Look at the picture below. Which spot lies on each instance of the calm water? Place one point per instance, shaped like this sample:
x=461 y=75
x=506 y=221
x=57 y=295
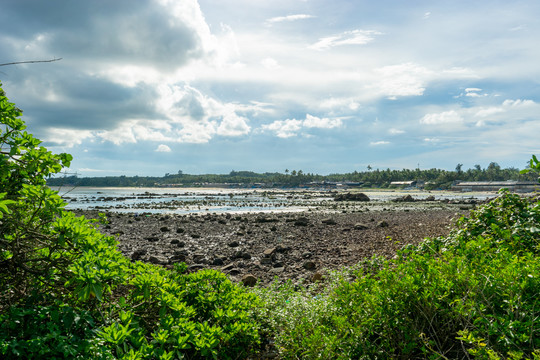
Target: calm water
x=200 y=200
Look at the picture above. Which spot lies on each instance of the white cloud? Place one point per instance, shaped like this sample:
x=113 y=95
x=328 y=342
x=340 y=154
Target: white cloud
x=67 y=137
x=379 y=143
x=270 y=63
x=291 y=127
x=353 y=37
x=406 y=79
x=284 y=128
x=518 y=103
x=321 y=123
x=163 y=148
x=295 y=17
x=444 y=118
x=233 y=125
x=484 y=112
x=395 y=131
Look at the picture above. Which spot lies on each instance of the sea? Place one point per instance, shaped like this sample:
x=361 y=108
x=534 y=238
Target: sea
x=213 y=200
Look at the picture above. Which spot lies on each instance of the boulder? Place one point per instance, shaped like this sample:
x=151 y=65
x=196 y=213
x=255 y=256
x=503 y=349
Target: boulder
x=382 y=224
x=405 y=198
x=329 y=221
x=249 y=280
x=137 y=254
x=348 y=196
x=159 y=260
x=360 y=226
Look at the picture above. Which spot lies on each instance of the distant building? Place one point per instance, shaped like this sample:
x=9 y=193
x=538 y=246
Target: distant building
x=408 y=184
x=511 y=185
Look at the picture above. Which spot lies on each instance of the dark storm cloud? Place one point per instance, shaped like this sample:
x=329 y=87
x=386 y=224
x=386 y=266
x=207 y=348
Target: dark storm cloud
x=126 y=32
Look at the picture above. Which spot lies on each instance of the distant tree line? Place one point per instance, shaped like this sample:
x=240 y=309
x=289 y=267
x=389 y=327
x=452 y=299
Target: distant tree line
x=434 y=178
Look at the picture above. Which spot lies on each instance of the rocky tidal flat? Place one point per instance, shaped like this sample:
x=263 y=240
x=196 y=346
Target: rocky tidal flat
x=297 y=246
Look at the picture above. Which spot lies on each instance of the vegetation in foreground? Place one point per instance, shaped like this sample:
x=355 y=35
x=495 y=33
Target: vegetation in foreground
x=66 y=292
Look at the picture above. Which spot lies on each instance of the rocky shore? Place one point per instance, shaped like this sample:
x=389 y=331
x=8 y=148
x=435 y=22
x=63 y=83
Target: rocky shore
x=264 y=246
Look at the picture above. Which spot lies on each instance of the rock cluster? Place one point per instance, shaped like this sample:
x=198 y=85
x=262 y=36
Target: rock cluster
x=257 y=248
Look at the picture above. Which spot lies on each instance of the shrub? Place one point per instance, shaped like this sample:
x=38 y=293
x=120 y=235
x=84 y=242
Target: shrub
x=474 y=292
x=67 y=292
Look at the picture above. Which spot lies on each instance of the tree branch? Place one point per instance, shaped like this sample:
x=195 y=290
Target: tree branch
x=30 y=62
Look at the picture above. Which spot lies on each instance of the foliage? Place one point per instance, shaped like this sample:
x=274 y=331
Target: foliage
x=67 y=292
x=471 y=294
x=436 y=178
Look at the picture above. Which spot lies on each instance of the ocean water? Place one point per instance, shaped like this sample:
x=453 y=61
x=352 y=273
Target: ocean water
x=204 y=200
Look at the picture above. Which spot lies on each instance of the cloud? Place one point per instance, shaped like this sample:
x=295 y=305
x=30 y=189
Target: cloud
x=518 y=103
x=353 y=37
x=395 y=131
x=321 y=123
x=284 y=128
x=163 y=148
x=233 y=125
x=444 y=118
x=379 y=143
x=406 y=79
x=67 y=137
x=292 y=127
x=296 y=17
x=270 y=63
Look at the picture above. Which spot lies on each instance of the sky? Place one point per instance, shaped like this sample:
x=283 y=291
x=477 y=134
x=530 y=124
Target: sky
x=150 y=87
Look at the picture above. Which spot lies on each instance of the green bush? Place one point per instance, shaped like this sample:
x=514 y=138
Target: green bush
x=473 y=293
x=67 y=292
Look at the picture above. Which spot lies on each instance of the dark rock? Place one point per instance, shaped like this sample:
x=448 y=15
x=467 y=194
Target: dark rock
x=164 y=229
x=360 y=226
x=179 y=230
x=249 y=280
x=279 y=264
x=159 y=260
x=317 y=277
x=177 y=258
x=195 y=267
x=301 y=221
x=405 y=198
x=277 y=270
x=234 y=243
x=266 y=261
x=198 y=258
x=329 y=221
x=306 y=254
x=282 y=249
x=195 y=236
x=218 y=261
x=382 y=224
x=309 y=265
x=137 y=254
x=227 y=268
x=152 y=238
x=269 y=252
x=348 y=196
x=265 y=219
x=234 y=271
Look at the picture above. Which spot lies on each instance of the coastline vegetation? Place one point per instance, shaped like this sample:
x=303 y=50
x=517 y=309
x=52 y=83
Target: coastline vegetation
x=67 y=292
x=373 y=178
